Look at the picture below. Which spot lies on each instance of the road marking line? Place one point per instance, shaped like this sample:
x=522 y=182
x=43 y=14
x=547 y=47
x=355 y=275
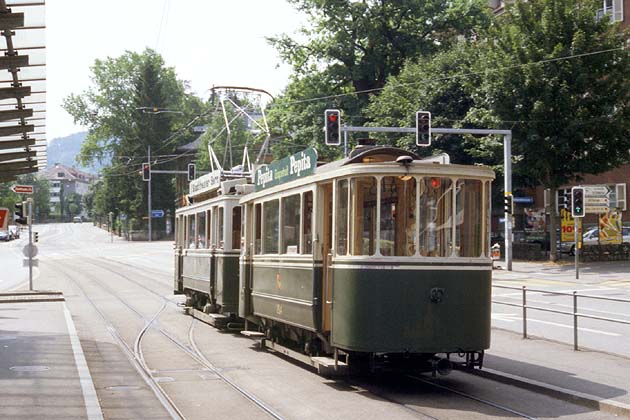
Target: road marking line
x=92 y=405
x=505 y=317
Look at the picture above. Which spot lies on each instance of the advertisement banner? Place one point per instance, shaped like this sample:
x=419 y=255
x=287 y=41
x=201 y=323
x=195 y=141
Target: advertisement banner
x=567 y=226
x=534 y=220
x=4 y=218
x=610 y=228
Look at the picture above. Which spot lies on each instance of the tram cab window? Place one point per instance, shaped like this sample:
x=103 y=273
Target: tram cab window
x=307 y=223
x=192 y=231
x=270 y=227
x=236 y=227
x=258 y=229
x=364 y=199
x=436 y=211
x=291 y=224
x=220 y=230
x=468 y=226
x=201 y=230
x=342 y=217
x=209 y=229
x=398 y=216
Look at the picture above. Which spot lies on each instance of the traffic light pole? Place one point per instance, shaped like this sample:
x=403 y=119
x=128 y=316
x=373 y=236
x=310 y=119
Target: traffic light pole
x=149 y=193
x=507 y=163
x=577 y=247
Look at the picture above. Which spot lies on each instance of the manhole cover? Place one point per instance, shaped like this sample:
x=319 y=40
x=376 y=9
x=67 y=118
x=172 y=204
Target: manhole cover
x=164 y=379
x=29 y=368
x=121 y=387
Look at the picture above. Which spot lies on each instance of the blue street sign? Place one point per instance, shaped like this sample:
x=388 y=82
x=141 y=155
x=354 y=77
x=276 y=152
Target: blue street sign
x=157 y=213
x=524 y=200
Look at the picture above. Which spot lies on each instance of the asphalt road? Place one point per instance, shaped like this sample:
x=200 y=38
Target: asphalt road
x=137 y=340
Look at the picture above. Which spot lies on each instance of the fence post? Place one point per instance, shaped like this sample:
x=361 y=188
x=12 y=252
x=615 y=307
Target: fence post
x=524 y=311
x=575 y=321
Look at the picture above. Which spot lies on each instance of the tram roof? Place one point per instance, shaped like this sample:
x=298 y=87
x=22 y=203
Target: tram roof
x=366 y=163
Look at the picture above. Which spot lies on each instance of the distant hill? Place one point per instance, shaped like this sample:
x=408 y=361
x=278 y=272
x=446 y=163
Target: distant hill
x=64 y=150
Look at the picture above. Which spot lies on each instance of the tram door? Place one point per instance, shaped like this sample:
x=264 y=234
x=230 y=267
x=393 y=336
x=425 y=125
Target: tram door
x=326 y=196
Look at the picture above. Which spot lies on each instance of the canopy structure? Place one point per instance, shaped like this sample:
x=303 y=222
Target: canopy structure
x=22 y=88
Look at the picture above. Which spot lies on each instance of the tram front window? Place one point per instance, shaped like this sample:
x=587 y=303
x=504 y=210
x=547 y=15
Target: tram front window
x=307 y=224
x=236 y=227
x=258 y=229
x=270 y=227
x=436 y=210
x=191 y=231
x=469 y=229
x=342 y=217
x=220 y=242
x=364 y=196
x=398 y=209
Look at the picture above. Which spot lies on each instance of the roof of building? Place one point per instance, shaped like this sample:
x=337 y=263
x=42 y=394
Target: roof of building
x=69 y=174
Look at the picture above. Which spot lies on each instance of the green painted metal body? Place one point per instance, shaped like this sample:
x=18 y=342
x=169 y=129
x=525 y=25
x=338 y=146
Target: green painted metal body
x=178 y=281
x=288 y=291
x=391 y=310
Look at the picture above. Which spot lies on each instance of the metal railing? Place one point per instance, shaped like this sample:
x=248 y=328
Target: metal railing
x=575 y=314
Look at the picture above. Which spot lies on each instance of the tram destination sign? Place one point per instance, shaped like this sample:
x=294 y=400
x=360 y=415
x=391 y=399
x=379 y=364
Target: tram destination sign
x=205 y=183
x=286 y=169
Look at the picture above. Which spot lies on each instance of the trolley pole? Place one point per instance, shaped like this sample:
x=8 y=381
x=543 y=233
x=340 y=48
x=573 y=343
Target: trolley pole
x=149 y=193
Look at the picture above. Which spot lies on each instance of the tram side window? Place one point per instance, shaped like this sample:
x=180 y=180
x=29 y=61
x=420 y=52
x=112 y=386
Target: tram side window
x=271 y=230
x=342 y=217
x=307 y=222
x=364 y=199
x=398 y=216
x=236 y=227
x=191 y=231
x=436 y=198
x=291 y=224
x=209 y=229
x=258 y=232
x=468 y=222
x=220 y=229
x=201 y=230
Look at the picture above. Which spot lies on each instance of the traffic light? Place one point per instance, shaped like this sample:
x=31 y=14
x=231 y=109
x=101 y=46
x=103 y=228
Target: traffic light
x=191 y=171
x=508 y=204
x=332 y=128
x=146 y=172
x=577 y=202
x=423 y=128
x=19 y=216
x=35 y=236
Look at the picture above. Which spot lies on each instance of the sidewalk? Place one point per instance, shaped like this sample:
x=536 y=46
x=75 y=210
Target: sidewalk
x=597 y=380
x=43 y=373
x=564 y=270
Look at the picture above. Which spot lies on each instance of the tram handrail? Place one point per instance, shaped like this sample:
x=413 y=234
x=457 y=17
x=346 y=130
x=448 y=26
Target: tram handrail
x=575 y=314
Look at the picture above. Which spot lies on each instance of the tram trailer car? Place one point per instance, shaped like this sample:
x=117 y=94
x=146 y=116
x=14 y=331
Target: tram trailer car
x=207 y=248
x=380 y=259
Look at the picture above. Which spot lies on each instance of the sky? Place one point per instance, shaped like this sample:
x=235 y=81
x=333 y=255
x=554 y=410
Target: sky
x=209 y=42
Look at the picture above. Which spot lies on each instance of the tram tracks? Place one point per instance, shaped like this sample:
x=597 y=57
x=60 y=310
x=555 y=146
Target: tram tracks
x=136 y=355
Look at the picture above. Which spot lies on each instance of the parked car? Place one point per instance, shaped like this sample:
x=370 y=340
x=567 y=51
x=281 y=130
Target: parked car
x=14 y=232
x=591 y=237
x=77 y=219
x=4 y=236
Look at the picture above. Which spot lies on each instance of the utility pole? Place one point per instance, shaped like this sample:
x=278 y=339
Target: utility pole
x=30 y=243
x=149 y=192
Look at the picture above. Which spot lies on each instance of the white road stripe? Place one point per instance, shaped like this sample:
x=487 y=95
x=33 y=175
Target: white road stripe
x=92 y=405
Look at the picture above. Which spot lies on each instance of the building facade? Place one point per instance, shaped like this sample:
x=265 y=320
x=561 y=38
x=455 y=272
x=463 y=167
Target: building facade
x=65 y=181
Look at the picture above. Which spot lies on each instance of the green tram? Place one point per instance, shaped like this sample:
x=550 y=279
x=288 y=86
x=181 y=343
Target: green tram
x=207 y=249
x=379 y=259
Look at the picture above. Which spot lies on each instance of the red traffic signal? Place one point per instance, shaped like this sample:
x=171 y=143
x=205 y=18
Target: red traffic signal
x=332 y=129
x=146 y=172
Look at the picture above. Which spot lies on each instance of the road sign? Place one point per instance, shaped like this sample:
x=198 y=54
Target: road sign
x=29 y=251
x=123 y=216
x=22 y=189
x=30 y=262
x=157 y=213
x=596 y=209
x=596 y=201
x=596 y=191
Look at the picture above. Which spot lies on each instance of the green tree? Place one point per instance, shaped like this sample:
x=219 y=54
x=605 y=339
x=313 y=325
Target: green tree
x=352 y=48
x=569 y=116
x=135 y=103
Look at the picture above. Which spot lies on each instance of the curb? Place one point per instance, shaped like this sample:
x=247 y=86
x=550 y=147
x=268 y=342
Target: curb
x=591 y=401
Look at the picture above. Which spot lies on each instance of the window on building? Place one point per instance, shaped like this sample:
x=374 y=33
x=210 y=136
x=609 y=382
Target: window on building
x=270 y=228
x=291 y=224
x=398 y=215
